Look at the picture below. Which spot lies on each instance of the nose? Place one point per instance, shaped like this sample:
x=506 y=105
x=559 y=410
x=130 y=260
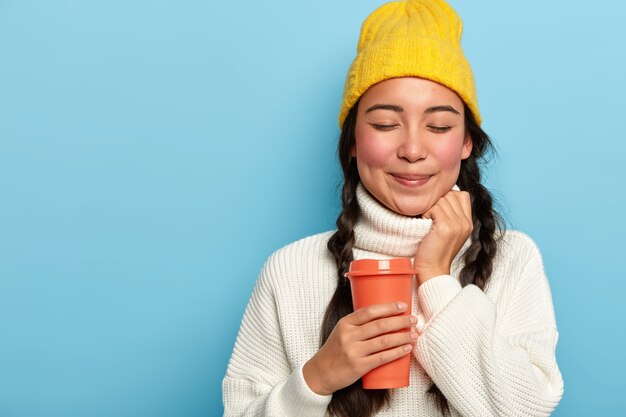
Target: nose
x=412 y=147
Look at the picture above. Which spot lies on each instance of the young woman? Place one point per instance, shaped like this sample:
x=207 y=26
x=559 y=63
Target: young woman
x=484 y=333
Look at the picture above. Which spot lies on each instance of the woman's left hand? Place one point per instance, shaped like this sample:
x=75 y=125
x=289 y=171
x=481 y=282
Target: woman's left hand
x=452 y=225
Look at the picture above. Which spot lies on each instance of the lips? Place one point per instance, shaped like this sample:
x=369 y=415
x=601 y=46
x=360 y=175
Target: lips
x=411 y=180
x=412 y=177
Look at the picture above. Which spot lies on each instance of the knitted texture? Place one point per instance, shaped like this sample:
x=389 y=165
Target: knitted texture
x=491 y=353
x=386 y=232
x=419 y=38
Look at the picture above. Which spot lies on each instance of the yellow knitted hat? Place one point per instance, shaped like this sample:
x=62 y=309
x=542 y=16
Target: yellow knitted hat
x=419 y=38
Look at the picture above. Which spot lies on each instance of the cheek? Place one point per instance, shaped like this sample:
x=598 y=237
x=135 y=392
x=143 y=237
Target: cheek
x=449 y=153
x=372 y=150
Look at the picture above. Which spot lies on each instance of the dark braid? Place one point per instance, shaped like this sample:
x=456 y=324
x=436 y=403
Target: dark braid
x=488 y=224
x=353 y=400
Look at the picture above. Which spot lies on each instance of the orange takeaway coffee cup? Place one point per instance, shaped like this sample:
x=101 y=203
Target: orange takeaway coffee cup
x=375 y=281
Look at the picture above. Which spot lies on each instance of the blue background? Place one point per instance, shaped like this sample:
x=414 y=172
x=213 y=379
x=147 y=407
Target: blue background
x=153 y=154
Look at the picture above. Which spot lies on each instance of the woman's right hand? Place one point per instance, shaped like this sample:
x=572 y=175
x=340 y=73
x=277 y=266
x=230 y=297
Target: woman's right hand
x=358 y=344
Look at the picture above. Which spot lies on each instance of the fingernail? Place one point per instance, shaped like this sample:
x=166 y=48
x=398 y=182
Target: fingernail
x=413 y=335
x=401 y=306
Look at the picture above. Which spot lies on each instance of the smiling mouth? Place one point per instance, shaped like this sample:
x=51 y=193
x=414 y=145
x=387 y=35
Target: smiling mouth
x=411 y=180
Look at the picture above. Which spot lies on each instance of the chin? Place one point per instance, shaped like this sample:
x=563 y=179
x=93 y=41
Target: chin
x=410 y=211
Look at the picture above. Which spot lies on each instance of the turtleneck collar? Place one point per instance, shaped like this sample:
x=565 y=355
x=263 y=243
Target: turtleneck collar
x=384 y=231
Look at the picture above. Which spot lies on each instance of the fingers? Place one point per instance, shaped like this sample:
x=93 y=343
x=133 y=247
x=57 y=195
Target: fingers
x=388 y=340
x=375 y=311
x=347 y=355
x=454 y=206
x=466 y=203
x=386 y=325
x=387 y=356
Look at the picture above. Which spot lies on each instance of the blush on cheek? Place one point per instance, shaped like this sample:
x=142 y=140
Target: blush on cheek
x=449 y=154
x=372 y=150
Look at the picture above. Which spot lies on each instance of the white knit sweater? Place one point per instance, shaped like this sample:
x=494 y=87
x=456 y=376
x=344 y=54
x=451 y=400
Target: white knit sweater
x=491 y=353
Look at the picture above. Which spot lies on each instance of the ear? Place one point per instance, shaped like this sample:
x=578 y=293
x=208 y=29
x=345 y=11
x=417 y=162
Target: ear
x=466 y=151
x=353 y=151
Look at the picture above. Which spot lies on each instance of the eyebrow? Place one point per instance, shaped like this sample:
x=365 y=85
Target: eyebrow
x=399 y=109
x=441 y=108
x=392 y=107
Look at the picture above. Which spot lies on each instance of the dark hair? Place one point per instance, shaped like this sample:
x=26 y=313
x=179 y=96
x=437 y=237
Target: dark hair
x=353 y=400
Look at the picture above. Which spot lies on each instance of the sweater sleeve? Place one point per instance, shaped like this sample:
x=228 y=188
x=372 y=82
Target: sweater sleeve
x=487 y=365
x=259 y=380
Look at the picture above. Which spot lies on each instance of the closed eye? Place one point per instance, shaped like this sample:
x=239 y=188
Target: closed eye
x=439 y=129
x=384 y=128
